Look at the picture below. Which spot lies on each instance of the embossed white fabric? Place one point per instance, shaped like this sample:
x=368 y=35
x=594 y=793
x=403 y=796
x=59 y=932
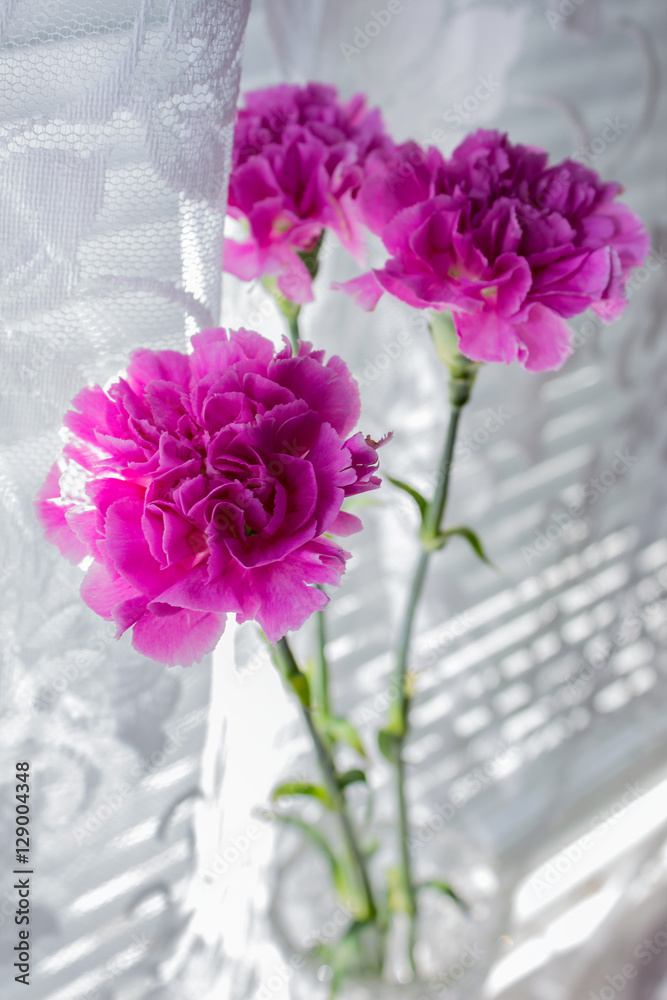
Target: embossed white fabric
x=504 y=658
x=115 y=125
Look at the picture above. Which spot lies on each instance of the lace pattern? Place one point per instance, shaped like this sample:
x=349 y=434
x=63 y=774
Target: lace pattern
x=114 y=157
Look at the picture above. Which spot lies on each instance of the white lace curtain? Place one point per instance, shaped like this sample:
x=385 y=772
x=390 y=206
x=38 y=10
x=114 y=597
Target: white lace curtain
x=115 y=124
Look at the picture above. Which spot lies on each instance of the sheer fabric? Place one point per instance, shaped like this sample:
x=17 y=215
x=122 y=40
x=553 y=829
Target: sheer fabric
x=115 y=128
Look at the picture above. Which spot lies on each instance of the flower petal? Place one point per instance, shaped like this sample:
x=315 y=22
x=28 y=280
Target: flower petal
x=176 y=636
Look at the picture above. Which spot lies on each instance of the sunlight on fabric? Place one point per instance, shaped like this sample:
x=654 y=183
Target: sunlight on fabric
x=130 y=879
x=570 y=930
x=635 y=816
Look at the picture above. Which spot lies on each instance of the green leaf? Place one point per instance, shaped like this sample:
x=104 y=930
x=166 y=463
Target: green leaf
x=472 y=538
x=319 y=841
x=302 y=788
x=421 y=501
x=341 y=731
x=344 y=881
x=389 y=743
x=446 y=889
x=350 y=777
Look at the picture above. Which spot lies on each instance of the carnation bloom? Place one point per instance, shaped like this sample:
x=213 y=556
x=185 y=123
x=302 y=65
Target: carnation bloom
x=299 y=157
x=210 y=482
x=512 y=246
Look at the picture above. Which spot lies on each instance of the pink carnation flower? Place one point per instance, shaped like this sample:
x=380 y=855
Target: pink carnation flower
x=210 y=482
x=512 y=246
x=299 y=158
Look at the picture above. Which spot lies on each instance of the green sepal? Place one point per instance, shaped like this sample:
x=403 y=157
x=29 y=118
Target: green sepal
x=289 y=309
x=302 y=788
x=446 y=890
x=390 y=743
x=390 y=738
x=341 y=731
x=446 y=342
x=311 y=257
x=420 y=500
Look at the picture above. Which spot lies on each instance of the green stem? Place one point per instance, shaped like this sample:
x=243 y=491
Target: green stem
x=291 y=312
x=287 y=665
x=460 y=386
x=289 y=309
x=321 y=669
x=436 y=508
x=293 y=324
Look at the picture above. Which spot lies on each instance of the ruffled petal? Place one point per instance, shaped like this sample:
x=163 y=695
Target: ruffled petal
x=103 y=590
x=486 y=336
x=175 y=636
x=365 y=290
x=544 y=340
x=54 y=520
